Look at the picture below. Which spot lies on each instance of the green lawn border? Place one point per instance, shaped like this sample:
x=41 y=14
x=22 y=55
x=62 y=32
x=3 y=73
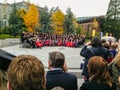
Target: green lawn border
x=4 y=36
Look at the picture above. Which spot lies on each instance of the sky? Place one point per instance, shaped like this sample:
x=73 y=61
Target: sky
x=80 y=8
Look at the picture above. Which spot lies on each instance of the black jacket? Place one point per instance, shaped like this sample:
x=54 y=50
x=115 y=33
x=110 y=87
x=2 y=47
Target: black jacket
x=87 y=53
x=5 y=59
x=59 y=78
x=92 y=85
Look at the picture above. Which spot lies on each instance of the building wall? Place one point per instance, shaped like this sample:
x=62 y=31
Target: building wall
x=87 y=24
x=6 y=9
x=87 y=27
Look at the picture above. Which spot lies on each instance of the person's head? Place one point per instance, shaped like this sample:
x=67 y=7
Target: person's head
x=57 y=60
x=98 y=70
x=26 y=72
x=106 y=45
x=103 y=41
x=58 y=88
x=96 y=42
x=114 y=46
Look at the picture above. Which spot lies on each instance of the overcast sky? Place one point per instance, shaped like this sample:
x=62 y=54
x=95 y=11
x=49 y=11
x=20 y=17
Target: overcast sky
x=80 y=8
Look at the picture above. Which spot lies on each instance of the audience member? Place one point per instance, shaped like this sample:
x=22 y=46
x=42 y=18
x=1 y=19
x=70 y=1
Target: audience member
x=106 y=45
x=5 y=60
x=49 y=39
x=113 y=48
x=110 y=52
x=93 y=48
x=119 y=80
x=3 y=80
x=57 y=75
x=118 y=45
x=26 y=72
x=115 y=70
x=100 y=78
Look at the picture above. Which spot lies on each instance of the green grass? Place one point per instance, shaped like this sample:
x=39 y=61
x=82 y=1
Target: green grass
x=4 y=36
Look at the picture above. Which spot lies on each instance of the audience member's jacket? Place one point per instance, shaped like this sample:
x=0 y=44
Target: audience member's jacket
x=115 y=74
x=93 y=85
x=59 y=78
x=87 y=53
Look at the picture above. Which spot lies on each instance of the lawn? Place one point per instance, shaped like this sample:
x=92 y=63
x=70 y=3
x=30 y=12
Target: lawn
x=4 y=36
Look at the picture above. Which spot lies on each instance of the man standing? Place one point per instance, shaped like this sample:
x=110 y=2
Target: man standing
x=57 y=77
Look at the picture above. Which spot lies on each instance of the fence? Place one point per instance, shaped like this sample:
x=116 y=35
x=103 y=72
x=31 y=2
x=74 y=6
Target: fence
x=9 y=42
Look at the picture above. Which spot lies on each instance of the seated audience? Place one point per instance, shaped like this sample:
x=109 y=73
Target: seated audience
x=26 y=72
x=99 y=78
x=57 y=75
x=48 y=39
x=38 y=43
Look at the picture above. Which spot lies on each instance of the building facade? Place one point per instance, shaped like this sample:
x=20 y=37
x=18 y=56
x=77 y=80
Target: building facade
x=91 y=23
x=6 y=9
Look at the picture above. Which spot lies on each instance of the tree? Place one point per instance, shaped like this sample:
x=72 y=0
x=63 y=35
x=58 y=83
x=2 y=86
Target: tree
x=112 y=22
x=31 y=18
x=69 y=22
x=45 y=20
x=14 y=21
x=21 y=12
x=57 y=21
x=80 y=30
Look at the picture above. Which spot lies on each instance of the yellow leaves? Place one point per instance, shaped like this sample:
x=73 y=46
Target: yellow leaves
x=31 y=18
x=21 y=12
x=58 y=20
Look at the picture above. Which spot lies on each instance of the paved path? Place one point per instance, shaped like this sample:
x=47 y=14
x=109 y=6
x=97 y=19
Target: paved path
x=72 y=56
x=73 y=59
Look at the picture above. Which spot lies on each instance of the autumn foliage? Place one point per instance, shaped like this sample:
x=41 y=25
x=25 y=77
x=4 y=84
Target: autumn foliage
x=57 y=21
x=31 y=18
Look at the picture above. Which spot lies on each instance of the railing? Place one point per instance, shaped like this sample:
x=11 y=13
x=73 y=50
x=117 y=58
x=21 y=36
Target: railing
x=9 y=42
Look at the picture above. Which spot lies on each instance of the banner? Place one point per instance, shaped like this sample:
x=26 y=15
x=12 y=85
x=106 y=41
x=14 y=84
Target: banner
x=101 y=34
x=106 y=34
x=111 y=34
x=93 y=33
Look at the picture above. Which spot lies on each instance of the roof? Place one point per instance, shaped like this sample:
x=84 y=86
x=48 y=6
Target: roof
x=82 y=19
